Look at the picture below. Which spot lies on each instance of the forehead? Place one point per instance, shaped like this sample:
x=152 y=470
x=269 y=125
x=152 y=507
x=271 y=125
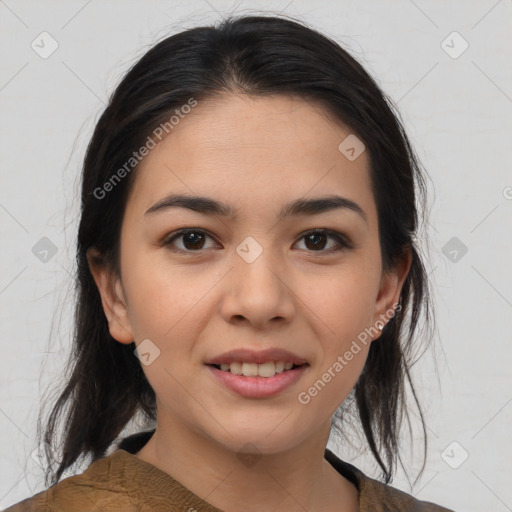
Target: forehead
x=240 y=147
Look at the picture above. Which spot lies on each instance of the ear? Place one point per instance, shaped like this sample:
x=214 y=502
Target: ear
x=112 y=297
x=390 y=288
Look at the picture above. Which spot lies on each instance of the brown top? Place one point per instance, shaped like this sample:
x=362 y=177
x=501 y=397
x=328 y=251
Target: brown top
x=121 y=482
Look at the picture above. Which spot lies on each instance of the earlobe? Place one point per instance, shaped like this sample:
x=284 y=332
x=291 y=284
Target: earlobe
x=389 y=292
x=112 y=297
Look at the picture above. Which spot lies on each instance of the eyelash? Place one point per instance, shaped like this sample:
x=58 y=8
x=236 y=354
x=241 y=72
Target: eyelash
x=342 y=241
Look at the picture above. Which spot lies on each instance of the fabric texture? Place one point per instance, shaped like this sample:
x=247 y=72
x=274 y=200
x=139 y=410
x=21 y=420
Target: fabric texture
x=121 y=482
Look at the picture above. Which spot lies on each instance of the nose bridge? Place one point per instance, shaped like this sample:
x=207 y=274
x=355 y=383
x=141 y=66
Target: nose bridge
x=257 y=289
x=256 y=264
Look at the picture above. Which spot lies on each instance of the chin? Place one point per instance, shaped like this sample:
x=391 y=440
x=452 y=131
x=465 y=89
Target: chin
x=261 y=438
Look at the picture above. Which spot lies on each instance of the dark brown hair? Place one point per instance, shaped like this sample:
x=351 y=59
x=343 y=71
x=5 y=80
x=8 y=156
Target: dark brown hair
x=105 y=386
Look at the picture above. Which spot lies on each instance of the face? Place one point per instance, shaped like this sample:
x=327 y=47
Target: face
x=250 y=278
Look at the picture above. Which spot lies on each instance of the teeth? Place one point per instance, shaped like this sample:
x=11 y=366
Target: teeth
x=268 y=369
x=236 y=368
x=250 y=369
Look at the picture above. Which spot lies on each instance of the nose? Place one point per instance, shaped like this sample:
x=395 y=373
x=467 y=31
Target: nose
x=257 y=291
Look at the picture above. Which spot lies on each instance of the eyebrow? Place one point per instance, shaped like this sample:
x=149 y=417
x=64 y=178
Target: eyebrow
x=209 y=206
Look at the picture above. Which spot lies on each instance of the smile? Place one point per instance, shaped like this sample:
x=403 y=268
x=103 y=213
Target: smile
x=250 y=384
x=268 y=369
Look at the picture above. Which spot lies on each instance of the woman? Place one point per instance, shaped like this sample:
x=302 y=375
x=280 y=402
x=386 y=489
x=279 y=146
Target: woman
x=246 y=262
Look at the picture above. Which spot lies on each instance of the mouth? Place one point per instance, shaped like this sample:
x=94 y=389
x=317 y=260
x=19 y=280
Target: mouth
x=257 y=381
x=265 y=370
x=257 y=373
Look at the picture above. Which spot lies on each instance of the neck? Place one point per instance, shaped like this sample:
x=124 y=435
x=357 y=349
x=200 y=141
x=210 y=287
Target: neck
x=297 y=479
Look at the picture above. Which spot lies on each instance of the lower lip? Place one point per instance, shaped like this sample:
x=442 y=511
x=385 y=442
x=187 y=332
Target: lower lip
x=258 y=387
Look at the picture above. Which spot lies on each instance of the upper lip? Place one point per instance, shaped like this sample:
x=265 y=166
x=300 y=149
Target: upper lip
x=244 y=355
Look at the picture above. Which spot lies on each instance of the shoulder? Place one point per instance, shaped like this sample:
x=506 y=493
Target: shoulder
x=99 y=487
x=375 y=496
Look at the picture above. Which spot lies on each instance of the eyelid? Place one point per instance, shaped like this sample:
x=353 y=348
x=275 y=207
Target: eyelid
x=168 y=239
x=342 y=240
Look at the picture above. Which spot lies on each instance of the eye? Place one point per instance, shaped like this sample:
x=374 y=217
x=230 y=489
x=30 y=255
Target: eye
x=316 y=239
x=192 y=240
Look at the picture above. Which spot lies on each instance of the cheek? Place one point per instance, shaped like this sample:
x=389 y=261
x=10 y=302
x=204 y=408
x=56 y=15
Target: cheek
x=163 y=297
x=344 y=302
x=343 y=353
x=344 y=306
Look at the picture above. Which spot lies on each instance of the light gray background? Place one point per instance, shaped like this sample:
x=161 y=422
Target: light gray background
x=458 y=113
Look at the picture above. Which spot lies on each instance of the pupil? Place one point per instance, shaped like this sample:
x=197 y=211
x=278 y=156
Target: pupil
x=195 y=239
x=312 y=237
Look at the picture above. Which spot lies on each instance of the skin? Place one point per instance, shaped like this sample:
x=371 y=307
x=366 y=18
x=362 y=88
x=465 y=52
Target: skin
x=256 y=154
